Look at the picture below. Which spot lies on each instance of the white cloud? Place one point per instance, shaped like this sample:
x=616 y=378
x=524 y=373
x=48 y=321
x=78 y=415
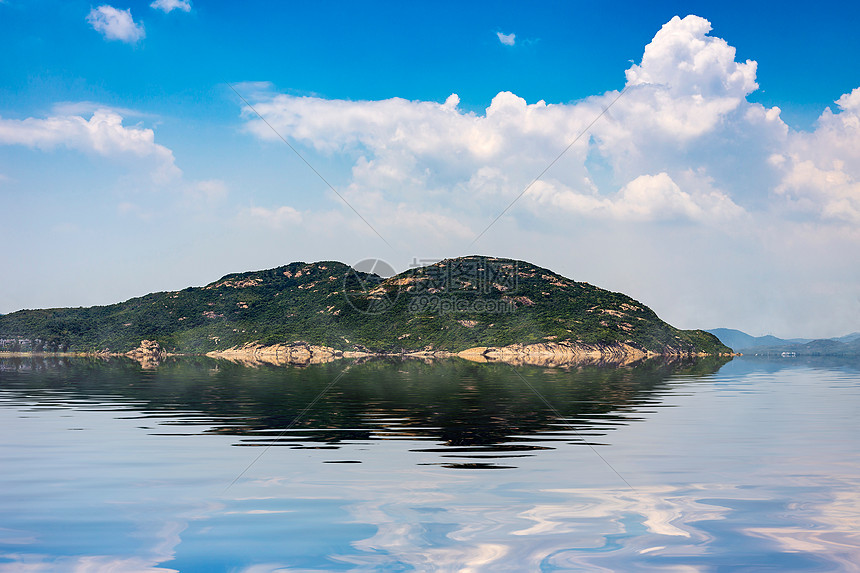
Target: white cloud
x=686 y=85
x=103 y=134
x=646 y=198
x=507 y=39
x=436 y=154
x=277 y=218
x=822 y=168
x=650 y=197
x=684 y=59
x=211 y=190
x=115 y=24
x=168 y=6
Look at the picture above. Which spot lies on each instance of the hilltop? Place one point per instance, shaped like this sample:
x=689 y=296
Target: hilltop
x=453 y=305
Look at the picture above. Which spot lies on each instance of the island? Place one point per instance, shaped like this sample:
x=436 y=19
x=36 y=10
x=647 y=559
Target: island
x=476 y=307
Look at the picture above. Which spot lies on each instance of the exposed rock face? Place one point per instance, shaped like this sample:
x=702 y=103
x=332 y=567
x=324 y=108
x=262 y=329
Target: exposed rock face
x=548 y=354
x=555 y=354
x=294 y=353
x=149 y=353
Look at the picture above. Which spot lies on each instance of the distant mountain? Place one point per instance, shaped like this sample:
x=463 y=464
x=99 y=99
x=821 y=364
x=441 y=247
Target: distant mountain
x=823 y=347
x=452 y=305
x=737 y=340
x=848 y=345
x=849 y=337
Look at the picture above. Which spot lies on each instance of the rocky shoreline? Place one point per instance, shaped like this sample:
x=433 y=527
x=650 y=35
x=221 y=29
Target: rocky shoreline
x=551 y=354
x=149 y=354
x=547 y=354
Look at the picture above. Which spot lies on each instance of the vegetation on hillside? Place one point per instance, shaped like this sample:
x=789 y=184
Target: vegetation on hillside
x=452 y=305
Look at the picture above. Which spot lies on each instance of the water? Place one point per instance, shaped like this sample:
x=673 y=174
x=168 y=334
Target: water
x=203 y=465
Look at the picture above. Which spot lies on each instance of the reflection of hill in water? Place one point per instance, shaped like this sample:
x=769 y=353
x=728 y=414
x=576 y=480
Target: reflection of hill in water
x=468 y=407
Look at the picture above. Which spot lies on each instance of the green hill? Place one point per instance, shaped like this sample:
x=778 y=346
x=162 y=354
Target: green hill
x=452 y=305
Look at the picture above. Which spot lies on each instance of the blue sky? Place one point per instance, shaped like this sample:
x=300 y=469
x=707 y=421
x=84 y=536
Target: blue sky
x=714 y=190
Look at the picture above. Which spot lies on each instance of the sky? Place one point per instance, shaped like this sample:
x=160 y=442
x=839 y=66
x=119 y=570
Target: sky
x=701 y=157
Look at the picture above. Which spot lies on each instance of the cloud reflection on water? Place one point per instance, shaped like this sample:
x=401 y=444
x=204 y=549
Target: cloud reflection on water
x=594 y=529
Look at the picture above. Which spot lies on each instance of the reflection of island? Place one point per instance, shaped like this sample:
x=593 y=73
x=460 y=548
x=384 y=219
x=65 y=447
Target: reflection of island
x=545 y=354
x=470 y=408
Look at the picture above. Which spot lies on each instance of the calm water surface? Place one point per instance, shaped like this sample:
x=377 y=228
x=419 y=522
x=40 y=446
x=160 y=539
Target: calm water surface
x=404 y=466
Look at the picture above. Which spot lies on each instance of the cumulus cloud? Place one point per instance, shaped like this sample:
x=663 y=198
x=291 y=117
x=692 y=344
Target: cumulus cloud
x=687 y=91
x=103 y=134
x=822 y=168
x=167 y=6
x=687 y=95
x=507 y=39
x=646 y=198
x=424 y=144
x=681 y=143
x=115 y=24
x=684 y=59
